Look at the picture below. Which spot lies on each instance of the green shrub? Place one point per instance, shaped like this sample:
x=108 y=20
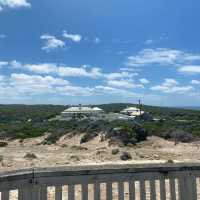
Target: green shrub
x=115 y=151
x=30 y=156
x=3 y=144
x=126 y=156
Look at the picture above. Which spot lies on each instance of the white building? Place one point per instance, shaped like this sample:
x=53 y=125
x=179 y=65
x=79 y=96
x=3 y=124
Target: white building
x=82 y=111
x=132 y=111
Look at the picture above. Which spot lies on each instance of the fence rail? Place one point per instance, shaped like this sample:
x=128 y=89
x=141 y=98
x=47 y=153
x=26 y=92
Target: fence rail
x=104 y=182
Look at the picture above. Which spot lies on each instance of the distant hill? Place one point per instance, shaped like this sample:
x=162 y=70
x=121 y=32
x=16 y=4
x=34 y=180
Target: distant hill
x=163 y=112
x=191 y=107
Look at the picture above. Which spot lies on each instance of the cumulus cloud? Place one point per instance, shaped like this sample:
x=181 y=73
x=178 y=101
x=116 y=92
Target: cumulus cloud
x=70 y=90
x=124 y=84
x=107 y=90
x=144 y=81
x=161 y=56
x=43 y=68
x=122 y=79
x=171 y=86
x=35 y=84
x=195 y=82
x=51 y=42
x=190 y=70
x=60 y=70
x=21 y=85
x=97 y=40
x=116 y=75
x=3 y=63
x=73 y=37
x=148 y=42
x=24 y=84
x=14 y=4
x=25 y=79
x=78 y=72
x=2 y=78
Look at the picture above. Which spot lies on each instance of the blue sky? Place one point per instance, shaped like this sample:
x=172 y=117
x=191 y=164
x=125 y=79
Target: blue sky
x=98 y=51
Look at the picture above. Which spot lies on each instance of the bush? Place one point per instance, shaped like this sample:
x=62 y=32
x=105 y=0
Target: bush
x=87 y=137
x=179 y=136
x=1 y=158
x=74 y=158
x=3 y=144
x=126 y=156
x=126 y=132
x=115 y=151
x=79 y=148
x=30 y=156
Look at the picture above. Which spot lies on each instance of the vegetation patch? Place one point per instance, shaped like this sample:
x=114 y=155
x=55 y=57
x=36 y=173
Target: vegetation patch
x=79 y=148
x=115 y=151
x=3 y=144
x=1 y=158
x=26 y=121
x=30 y=156
x=125 y=156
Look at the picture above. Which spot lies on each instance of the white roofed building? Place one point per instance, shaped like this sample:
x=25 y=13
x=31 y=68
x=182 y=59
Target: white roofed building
x=132 y=111
x=81 y=110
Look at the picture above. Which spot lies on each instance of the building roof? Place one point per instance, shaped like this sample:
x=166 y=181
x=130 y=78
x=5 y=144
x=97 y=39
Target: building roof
x=97 y=109
x=82 y=109
x=135 y=113
x=131 y=109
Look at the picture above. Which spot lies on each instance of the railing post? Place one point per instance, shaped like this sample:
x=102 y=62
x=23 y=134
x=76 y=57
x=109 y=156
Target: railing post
x=37 y=192
x=187 y=186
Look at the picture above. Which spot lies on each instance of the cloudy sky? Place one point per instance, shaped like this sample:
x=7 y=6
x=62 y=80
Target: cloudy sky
x=99 y=51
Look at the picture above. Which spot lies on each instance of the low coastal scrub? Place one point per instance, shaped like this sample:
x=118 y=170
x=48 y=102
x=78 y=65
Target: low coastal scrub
x=25 y=121
x=118 y=131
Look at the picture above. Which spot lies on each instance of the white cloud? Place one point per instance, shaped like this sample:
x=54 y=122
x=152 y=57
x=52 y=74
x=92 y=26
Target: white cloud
x=13 y=4
x=148 y=42
x=122 y=79
x=191 y=70
x=144 y=81
x=78 y=72
x=51 y=42
x=36 y=79
x=107 y=90
x=172 y=86
x=2 y=78
x=26 y=88
x=73 y=37
x=169 y=82
x=128 y=69
x=161 y=56
x=97 y=40
x=70 y=90
x=3 y=63
x=2 y=36
x=34 y=84
x=43 y=68
x=124 y=84
x=60 y=70
x=117 y=75
x=18 y=85
x=25 y=79
x=195 y=82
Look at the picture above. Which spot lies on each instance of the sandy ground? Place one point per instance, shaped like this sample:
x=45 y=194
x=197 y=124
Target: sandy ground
x=68 y=151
